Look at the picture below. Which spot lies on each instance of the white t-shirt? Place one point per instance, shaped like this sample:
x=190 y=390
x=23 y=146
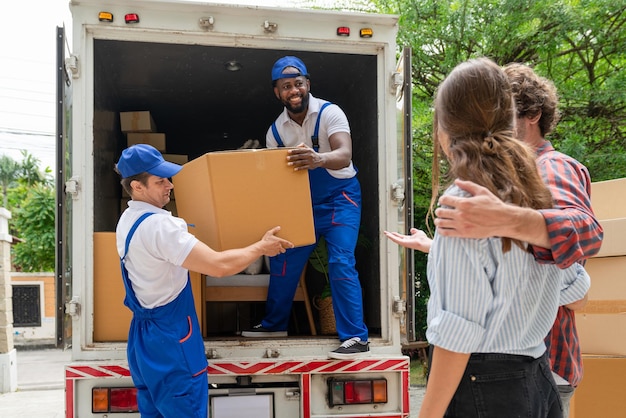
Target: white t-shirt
x=333 y=120
x=157 y=249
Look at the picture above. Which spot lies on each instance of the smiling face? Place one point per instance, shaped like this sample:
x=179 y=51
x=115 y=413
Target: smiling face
x=155 y=191
x=293 y=93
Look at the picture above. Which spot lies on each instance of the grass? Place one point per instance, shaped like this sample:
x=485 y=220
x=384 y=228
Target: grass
x=417 y=372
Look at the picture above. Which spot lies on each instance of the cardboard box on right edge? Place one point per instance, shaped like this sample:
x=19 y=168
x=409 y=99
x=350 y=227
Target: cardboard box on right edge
x=601 y=392
x=601 y=324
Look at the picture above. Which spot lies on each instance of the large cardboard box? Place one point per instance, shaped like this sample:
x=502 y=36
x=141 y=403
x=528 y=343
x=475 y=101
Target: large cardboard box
x=137 y=122
x=601 y=324
x=111 y=319
x=157 y=140
x=614 y=241
x=176 y=158
x=608 y=198
x=601 y=392
x=231 y=198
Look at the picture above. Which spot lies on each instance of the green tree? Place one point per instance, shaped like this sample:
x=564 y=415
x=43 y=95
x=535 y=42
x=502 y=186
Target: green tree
x=9 y=171
x=579 y=44
x=35 y=221
x=29 y=195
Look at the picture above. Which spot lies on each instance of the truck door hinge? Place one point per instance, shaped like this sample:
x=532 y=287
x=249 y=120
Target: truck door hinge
x=72 y=308
x=71 y=66
x=398 y=306
x=397 y=81
x=72 y=187
x=397 y=193
x=270 y=27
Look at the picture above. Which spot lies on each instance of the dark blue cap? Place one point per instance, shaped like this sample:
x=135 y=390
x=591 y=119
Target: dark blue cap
x=144 y=158
x=288 y=61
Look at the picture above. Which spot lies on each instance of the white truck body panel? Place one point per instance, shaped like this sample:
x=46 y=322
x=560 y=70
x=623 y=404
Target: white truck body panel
x=94 y=147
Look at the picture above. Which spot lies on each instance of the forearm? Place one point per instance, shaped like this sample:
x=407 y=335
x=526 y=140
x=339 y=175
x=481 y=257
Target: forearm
x=205 y=260
x=446 y=372
x=527 y=225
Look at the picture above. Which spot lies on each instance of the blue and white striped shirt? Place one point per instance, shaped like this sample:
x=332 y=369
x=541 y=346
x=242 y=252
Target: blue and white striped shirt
x=485 y=301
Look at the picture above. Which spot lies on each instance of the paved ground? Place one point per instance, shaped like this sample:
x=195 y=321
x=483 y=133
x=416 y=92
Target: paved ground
x=40 y=392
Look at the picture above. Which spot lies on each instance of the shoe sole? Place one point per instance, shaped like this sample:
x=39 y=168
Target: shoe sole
x=253 y=334
x=339 y=356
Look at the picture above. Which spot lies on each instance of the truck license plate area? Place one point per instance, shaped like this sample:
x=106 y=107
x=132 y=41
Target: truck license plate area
x=258 y=406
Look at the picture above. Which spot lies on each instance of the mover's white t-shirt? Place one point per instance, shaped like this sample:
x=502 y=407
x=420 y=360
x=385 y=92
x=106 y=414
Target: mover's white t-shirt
x=157 y=250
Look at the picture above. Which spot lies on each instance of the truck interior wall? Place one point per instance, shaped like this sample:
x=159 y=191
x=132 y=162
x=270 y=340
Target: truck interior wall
x=201 y=107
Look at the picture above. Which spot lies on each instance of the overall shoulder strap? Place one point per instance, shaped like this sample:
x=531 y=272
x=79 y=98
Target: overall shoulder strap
x=132 y=231
x=276 y=136
x=315 y=138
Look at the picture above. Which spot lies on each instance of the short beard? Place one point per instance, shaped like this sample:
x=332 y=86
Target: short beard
x=299 y=109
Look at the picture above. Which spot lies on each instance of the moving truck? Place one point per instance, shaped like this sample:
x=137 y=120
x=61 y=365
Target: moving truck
x=194 y=78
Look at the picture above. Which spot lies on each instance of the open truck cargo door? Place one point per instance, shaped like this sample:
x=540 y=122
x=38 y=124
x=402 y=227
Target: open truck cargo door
x=65 y=189
x=402 y=196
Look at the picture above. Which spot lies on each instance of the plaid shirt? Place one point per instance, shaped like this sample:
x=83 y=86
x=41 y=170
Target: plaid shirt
x=575 y=235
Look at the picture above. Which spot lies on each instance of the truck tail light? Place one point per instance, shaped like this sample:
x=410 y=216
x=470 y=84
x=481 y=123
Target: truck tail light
x=131 y=18
x=114 y=400
x=105 y=17
x=353 y=392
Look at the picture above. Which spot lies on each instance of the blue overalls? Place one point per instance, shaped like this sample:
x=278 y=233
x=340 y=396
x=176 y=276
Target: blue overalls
x=337 y=217
x=166 y=353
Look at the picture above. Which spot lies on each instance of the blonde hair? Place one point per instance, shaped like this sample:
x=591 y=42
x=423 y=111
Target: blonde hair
x=474 y=105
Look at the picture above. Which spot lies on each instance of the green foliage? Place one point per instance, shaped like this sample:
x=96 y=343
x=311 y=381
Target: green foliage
x=579 y=44
x=28 y=194
x=35 y=221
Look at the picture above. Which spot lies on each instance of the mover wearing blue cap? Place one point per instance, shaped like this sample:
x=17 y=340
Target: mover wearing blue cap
x=318 y=134
x=165 y=349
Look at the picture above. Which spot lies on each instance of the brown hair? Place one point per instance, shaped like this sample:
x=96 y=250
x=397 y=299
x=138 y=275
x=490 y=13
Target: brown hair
x=533 y=95
x=125 y=182
x=474 y=106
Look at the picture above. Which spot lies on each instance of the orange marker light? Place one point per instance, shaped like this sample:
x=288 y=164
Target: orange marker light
x=105 y=17
x=366 y=33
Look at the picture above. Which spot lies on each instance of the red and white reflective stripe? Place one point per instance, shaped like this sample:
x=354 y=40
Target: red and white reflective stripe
x=90 y=372
x=314 y=366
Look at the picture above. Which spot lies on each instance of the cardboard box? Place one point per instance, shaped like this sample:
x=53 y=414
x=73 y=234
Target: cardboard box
x=608 y=198
x=176 y=158
x=111 y=318
x=608 y=278
x=137 y=122
x=601 y=324
x=614 y=241
x=231 y=198
x=601 y=392
x=155 y=139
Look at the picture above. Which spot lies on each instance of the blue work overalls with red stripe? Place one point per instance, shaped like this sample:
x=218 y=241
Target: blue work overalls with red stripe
x=337 y=217
x=166 y=353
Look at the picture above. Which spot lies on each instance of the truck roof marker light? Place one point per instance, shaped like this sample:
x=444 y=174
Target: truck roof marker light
x=366 y=33
x=343 y=31
x=131 y=18
x=355 y=392
x=123 y=399
x=105 y=17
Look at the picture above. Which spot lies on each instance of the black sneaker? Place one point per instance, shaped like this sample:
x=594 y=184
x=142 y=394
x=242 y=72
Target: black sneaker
x=259 y=331
x=351 y=348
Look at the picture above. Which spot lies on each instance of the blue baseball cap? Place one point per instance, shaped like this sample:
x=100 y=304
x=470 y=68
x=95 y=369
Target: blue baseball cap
x=288 y=61
x=142 y=158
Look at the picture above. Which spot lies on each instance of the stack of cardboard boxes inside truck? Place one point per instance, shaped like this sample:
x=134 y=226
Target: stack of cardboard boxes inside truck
x=139 y=128
x=111 y=317
x=602 y=323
